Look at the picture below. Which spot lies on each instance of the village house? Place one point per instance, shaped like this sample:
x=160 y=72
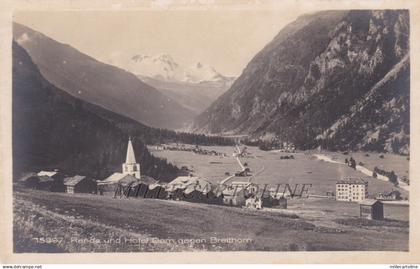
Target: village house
x=156 y=191
x=265 y=199
x=138 y=187
x=177 y=188
x=351 y=190
x=389 y=196
x=235 y=195
x=109 y=185
x=51 y=181
x=371 y=209
x=80 y=184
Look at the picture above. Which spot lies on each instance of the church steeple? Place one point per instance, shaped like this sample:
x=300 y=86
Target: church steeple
x=130 y=153
x=130 y=167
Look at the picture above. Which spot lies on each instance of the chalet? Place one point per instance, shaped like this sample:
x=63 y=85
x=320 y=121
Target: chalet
x=371 y=209
x=50 y=174
x=183 y=182
x=47 y=183
x=351 y=190
x=194 y=195
x=156 y=191
x=389 y=196
x=138 y=187
x=261 y=200
x=51 y=181
x=80 y=184
x=110 y=184
x=186 y=187
x=214 y=197
x=234 y=195
x=269 y=201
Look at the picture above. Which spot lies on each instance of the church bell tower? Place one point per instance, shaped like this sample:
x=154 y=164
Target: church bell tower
x=130 y=167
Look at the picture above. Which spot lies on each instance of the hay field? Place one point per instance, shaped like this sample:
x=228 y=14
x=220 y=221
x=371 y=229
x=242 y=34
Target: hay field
x=60 y=222
x=304 y=169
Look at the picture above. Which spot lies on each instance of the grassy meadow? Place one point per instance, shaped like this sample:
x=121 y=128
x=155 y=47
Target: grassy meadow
x=60 y=222
x=270 y=169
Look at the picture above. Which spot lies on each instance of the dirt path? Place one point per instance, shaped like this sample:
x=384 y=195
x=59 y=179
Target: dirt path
x=363 y=170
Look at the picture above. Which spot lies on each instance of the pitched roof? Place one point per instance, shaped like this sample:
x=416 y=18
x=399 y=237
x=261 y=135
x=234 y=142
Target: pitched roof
x=241 y=183
x=206 y=188
x=198 y=183
x=233 y=190
x=47 y=173
x=154 y=186
x=147 y=180
x=130 y=153
x=72 y=181
x=369 y=202
x=114 y=178
x=128 y=179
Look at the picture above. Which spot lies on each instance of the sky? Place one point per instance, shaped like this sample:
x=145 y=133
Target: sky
x=225 y=39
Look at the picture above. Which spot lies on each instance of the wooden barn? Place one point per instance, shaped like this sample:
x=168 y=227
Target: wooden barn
x=371 y=209
x=80 y=184
x=156 y=191
x=140 y=187
x=47 y=183
x=51 y=181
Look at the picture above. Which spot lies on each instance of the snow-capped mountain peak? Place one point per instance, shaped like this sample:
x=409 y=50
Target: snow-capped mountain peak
x=202 y=72
x=164 y=67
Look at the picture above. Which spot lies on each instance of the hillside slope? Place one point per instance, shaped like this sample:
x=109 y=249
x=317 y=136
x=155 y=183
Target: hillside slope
x=52 y=129
x=110 y=87
x=312 y=74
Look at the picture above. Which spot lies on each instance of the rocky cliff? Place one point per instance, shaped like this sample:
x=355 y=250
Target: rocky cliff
x=333 y=78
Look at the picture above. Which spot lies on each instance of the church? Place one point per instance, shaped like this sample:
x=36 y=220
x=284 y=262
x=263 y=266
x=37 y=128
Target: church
x=130 y=167
x=130 y=172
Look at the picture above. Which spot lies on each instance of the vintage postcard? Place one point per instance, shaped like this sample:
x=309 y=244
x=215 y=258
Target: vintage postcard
x=260 y=131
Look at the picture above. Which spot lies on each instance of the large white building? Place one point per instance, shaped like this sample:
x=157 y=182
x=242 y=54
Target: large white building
x=351 y=190
x=131 y=167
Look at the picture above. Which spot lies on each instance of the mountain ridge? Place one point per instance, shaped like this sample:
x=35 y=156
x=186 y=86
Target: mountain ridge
x=311 y=74
x=52 y=129
x=108 y=86
x=163 y=67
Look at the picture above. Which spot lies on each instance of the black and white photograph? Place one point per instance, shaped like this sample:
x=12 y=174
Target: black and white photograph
x=210 y=130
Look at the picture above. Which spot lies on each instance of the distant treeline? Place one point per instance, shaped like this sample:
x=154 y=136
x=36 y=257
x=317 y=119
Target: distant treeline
x=272 y=144
x=150 y=135
x=156 y=136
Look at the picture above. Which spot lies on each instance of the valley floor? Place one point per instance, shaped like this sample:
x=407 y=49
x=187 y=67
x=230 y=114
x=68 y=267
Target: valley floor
x=60 y=222
x=305 y=168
